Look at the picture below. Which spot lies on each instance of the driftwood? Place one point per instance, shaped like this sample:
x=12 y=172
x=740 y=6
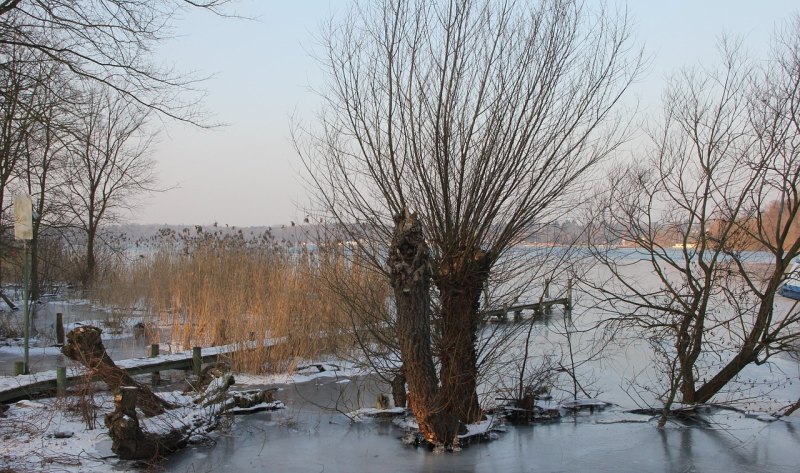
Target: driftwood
x=85 y=346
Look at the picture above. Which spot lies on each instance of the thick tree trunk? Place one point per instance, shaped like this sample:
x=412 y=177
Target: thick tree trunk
x=459 y=376
x=85 y=346
x=460 y=283
x=688 y=393
x=410 y=274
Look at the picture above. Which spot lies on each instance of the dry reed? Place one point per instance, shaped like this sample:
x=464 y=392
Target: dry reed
x=217 y=289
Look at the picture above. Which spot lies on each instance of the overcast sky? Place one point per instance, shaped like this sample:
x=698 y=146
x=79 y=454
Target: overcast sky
x=246 y=173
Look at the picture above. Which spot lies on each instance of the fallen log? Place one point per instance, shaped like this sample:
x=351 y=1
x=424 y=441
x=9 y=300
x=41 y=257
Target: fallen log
x=131 y=438
x=85 y=345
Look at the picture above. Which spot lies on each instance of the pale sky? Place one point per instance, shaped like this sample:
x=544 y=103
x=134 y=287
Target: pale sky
x=247 y=173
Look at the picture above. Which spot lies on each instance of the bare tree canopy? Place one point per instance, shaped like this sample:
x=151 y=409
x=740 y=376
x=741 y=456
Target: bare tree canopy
x=722 y=177
x=478 y=117
x=106 y=41
x=109 y=165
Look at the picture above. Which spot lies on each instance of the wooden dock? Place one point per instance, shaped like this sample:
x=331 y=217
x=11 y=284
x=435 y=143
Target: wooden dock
x=15 y=388
x=538 y=308
x=544 y=306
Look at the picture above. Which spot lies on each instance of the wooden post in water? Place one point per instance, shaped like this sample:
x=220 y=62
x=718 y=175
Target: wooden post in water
x=19 y=368
x=59 y=329
x=197 y=361
x=156 y=376
x=569 y=296
x=61 y=380
x=548 y=309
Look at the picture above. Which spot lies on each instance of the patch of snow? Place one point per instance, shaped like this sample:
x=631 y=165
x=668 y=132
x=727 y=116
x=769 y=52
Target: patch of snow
x=481 y=428
x=583 y=403
x=407 y=422
x=547 y=405
x=258 y=407
x=365 y=412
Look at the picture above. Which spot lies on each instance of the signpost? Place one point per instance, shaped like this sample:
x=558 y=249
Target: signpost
x=23 y=230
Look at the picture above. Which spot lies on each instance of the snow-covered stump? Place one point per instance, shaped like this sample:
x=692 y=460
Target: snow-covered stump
x=128 y=440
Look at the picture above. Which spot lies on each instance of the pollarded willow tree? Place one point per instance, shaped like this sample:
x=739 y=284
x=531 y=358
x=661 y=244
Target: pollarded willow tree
x=452 y=130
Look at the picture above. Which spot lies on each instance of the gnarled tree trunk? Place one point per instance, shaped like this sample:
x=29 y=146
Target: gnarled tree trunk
x=410 y=273
x=459 y=322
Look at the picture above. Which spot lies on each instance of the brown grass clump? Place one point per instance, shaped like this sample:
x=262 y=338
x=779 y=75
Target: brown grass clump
x=216 y=289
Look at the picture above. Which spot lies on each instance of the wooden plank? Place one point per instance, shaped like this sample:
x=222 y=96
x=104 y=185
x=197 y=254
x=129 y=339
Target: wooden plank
x=37 y=383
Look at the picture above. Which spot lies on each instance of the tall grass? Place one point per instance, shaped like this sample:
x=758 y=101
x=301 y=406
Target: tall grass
x=218 y=289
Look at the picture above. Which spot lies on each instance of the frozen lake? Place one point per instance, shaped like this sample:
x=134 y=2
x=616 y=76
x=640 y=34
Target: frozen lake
x=308 y=438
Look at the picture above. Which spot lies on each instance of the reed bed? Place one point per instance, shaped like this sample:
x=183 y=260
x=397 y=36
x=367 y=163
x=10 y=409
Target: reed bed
x=209 y=289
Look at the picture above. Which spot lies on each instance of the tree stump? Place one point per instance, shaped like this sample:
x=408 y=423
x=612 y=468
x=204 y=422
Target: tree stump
x=128 y=440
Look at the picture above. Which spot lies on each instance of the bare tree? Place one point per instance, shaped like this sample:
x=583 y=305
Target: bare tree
x=108 y=168
x=727 y=148
x=18 y=82
x=107 y=42
x=45 y=158
x=480 y=119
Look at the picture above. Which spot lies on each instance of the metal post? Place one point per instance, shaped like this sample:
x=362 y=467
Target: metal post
x=25 y=309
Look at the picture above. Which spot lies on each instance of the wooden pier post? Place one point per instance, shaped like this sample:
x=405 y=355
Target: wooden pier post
x=568 y=305
x=59 y=329
x=155 y=378
x=19 y=368
x=61 y=380
x=197 y=360
x=548 y=309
